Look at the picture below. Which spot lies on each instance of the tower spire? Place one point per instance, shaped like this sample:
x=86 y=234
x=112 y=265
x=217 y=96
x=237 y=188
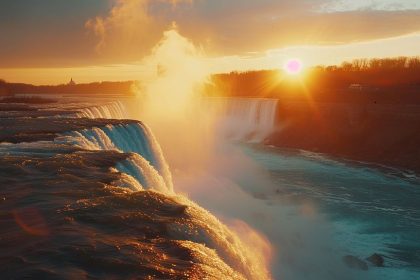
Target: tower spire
x=71 y=83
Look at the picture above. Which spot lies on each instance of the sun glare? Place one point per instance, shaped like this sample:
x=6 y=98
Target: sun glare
x=293 y=66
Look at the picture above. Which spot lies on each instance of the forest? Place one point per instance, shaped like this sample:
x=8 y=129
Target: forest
x=386 y=80
x=98 y=88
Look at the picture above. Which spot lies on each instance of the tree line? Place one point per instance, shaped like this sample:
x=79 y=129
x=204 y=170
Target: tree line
x=398 y=76
x=98 y=88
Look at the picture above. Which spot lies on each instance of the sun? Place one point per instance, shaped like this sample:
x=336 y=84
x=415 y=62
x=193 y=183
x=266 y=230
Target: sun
x=293 y=66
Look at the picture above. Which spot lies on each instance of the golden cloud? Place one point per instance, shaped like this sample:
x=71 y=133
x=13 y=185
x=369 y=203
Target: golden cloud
x=130 y=27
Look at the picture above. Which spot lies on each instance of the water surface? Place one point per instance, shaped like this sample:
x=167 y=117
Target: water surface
x=370 y=210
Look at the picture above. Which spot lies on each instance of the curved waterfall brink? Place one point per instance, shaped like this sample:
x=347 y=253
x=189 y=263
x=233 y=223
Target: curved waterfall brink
x=146 y=164
x=111 y=110
x=245 y=119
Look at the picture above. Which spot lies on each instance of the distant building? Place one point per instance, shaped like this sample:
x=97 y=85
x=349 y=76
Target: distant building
x=71 y=83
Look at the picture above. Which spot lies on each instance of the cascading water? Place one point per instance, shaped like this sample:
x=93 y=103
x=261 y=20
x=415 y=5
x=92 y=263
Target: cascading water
x=110 y=184
x=111 y=110
x=244 y=119
x=147 y=165
x=147 y=176
x=94 y=195
x=184 y=126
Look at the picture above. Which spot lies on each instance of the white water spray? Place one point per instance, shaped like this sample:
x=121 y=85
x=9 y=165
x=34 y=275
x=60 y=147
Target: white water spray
x=174 y=109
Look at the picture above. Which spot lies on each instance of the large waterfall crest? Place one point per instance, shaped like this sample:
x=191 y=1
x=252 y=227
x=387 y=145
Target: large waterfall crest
x=147 y=165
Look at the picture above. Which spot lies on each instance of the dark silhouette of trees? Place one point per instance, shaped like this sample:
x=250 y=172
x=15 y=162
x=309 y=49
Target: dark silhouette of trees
x=102 y=88
x=392 y=73
x=389 y=77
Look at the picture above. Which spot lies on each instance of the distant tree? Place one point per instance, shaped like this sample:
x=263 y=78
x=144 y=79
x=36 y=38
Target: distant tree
x=347 y=66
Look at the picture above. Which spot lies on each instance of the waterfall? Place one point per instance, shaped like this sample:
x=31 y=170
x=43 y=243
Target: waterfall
x=125 y=180
x=111 y=110
x=90 y=174
x=140 y=169
x=133 y=138
x=245 y=119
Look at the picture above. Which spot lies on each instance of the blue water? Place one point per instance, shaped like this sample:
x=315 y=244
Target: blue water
x=370 y=209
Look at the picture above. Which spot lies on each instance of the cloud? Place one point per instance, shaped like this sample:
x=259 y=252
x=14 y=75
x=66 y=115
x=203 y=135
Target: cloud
x=234 y=29
x=126 y=24
x=380 y=5
x=74 y=33
x=132 y=27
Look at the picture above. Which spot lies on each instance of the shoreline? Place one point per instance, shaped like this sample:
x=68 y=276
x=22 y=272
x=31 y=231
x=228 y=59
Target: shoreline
x=400 y=172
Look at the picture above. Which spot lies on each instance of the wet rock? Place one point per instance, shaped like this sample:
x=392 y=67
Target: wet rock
x=355 y=262
x=376 y=259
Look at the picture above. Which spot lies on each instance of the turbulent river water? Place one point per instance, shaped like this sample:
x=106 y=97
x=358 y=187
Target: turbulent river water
x=87 y=194
x=366 y=210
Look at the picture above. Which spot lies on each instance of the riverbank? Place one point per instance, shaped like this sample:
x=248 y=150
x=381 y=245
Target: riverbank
x=378 y=133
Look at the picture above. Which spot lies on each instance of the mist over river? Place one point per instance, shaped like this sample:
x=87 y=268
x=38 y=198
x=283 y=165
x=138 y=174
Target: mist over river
x=311 y=210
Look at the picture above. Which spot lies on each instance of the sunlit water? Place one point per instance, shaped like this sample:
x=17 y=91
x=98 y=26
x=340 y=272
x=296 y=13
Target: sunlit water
x=369 y=210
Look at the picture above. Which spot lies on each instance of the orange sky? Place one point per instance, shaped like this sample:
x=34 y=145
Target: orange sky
x=49 y=41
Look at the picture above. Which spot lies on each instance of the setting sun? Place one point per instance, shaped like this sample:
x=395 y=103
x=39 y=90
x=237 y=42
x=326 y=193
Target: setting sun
x=293 y=66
